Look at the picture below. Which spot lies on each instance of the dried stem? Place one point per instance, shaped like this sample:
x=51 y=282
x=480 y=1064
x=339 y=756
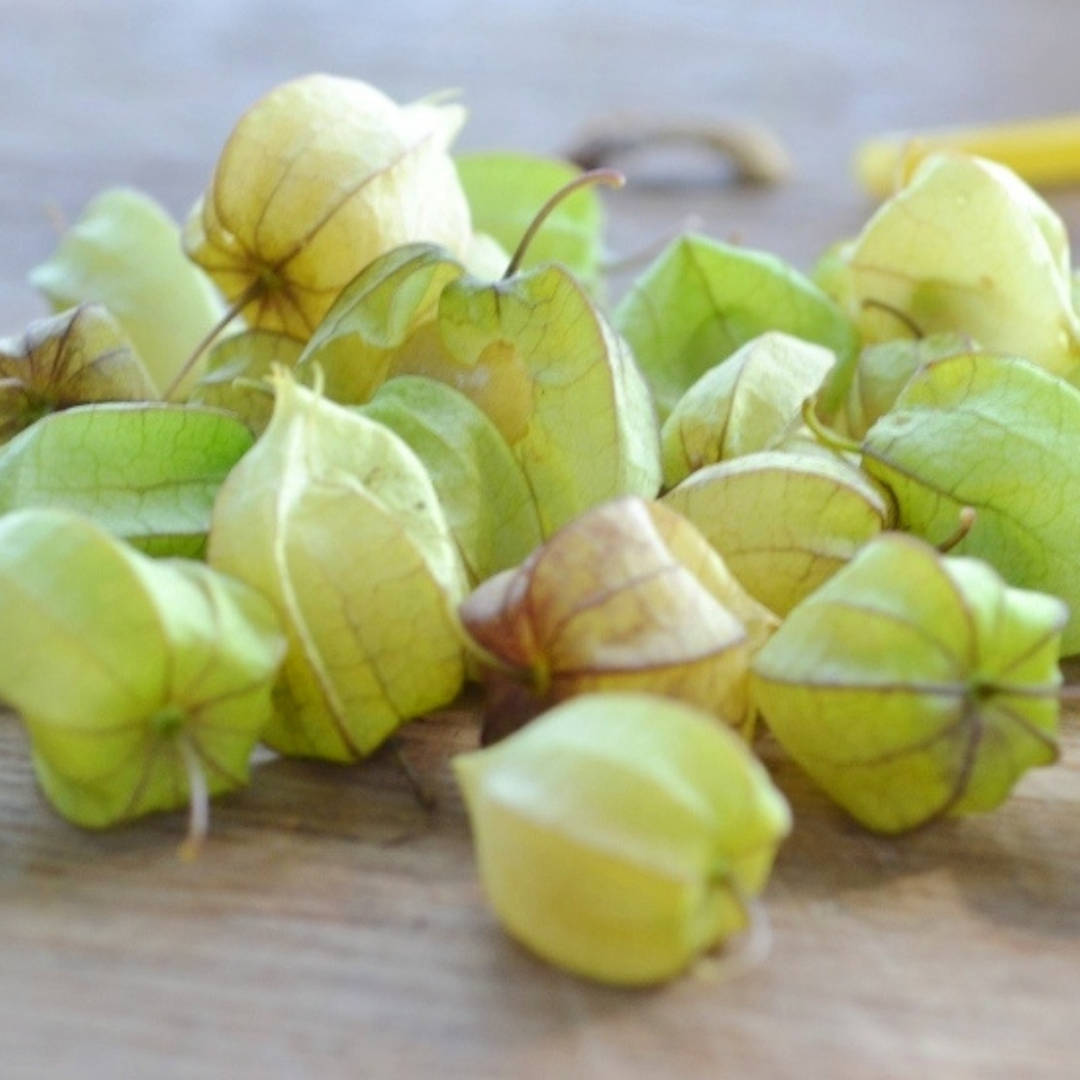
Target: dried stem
x=964 y=526
x=421 y=792
x=610 y=177
x=902 y=317
x=252 y=292
x=757 y=156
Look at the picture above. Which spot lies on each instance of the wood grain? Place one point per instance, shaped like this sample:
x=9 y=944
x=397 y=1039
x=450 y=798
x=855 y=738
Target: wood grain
x=332 y=928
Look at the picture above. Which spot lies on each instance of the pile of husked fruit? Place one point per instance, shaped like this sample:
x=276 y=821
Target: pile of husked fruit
x=295 y=472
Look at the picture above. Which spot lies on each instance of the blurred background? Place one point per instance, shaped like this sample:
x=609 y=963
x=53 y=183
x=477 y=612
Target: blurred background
x=144 y=92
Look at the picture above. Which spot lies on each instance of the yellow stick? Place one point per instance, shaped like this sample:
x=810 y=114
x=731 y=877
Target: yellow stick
x=1044 y=152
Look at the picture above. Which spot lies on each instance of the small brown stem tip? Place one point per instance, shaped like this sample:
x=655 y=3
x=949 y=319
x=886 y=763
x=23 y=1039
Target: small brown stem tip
x=963 y=527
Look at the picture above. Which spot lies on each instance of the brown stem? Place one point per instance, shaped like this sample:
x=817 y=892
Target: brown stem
x=901 y=317
x=967 y=520
x=421 y=792
x=755 y=153
x=252 y=292
x=610 y=177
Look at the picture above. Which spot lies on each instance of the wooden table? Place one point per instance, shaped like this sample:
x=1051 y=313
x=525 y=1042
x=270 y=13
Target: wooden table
x=331 y=927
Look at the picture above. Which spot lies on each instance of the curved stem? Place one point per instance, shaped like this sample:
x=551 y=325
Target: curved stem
x=901 y=317
x=967 y=520
x=610 y=177
x=252 y=292
x=824 y=435
x=756 y=154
